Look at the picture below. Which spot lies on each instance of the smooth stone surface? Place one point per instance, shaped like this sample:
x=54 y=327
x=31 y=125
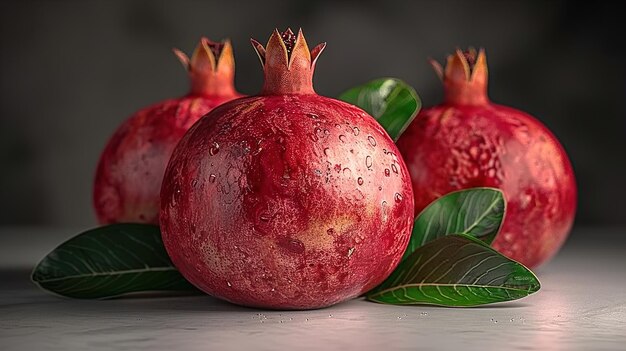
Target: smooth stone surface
x=581 y=306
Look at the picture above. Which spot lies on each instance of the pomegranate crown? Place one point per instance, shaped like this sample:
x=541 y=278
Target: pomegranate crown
x=287 y=62
x=464 y=77
x=211 y=67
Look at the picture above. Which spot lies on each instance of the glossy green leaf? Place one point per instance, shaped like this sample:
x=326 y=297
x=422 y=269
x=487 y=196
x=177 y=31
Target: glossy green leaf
x=478 y=212
x=392 y=102
x=110 y=261
x=456 y=271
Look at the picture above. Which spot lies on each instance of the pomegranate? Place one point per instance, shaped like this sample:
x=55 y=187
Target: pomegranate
x=131 y=167
x=286 y=200
x=468 y=141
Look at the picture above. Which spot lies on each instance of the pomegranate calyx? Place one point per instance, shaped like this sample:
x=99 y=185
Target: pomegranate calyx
x=464 y=77
x=287 y=62
x=211 y=67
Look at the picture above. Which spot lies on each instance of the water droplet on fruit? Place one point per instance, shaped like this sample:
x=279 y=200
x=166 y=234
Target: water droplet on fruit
x=319 y=133
x=293 y=245
x=384 y=211
x=313 y=137
x=398 y=197
x=245 y=146
x=273 y=290
x=380 y=188
x=368 y=161
x=264 y=217
x=356 y=131
x=330 y=231
x=214 y=149
x=313 y=115
x=347 y=172
x=194 y=183
x=317 y=172
x=342 y=138
x=360 y=181
x=229 y=284
x=359 y=195
x=212 y=178
x=387 y=172
x=326 y=151
x=394 y=168
x=175 y=196
x=508 y=236
x=371 y=140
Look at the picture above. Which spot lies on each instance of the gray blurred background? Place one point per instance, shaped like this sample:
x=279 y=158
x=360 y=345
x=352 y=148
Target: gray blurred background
x=72 y=71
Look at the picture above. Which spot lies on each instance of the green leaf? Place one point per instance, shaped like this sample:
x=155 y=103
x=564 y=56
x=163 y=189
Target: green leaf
x=390 y=101
x=478 y=212
x=110 y=261
x=456 y=271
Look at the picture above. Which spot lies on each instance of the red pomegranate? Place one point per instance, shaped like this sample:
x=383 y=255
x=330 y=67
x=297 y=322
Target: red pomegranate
x=131 y=167
x=468 y=141
x=286 y=200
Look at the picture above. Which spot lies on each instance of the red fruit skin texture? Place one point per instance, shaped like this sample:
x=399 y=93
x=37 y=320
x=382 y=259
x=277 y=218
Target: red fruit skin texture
x=128 y=178
x=451 y=147
x=131 y=167
x=286 y=202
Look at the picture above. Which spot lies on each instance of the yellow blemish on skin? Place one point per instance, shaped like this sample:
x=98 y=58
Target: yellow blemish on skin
x=446 y=114
x=369 y=210
x=319 y=235
x=212 y=258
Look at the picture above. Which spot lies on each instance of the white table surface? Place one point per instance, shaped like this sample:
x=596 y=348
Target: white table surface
x=581 y=306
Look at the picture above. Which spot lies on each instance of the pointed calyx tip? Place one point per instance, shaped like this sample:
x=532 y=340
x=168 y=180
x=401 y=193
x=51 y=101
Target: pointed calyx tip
x=211 y=67
x=207 y=55
x=464 y=76
x=287 y=61
x=288 y=46
x=466 y=65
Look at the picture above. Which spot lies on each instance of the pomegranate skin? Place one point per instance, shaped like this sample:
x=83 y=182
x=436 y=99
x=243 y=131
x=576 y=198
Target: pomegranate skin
x=477 y=143
x=291 y=201
x=131 y=167
x=129 y=173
